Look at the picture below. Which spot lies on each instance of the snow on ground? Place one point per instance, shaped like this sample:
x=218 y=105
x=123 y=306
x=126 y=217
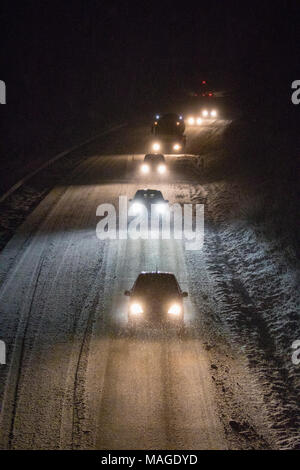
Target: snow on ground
x=255 y=273
x=243 y=285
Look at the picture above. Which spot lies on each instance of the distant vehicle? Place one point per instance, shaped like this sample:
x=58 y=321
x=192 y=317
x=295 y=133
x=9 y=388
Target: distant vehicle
x=209 y=113
x=168 y=124
x=169 y=133
x=209 y=94
x=154 y=163
x=156 y=299
x=205 y=113
x=194 y=120
x=146 y=198
x=204 y=94
x=169 y=144
x=203 y=90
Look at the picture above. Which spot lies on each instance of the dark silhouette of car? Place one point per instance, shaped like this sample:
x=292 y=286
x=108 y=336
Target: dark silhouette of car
x=149 y=199
x=169 y=133
x=168 y=124
x=154 y=163
x=156 y=299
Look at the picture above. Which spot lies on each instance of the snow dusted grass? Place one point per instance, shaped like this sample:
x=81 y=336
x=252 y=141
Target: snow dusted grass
x=252 y=255
x=260 y=304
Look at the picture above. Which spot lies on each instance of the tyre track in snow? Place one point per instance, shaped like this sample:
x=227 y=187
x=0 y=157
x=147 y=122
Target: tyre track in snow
x=170 y=417
x=20 y=360
x=80 y=368
x=58 y=220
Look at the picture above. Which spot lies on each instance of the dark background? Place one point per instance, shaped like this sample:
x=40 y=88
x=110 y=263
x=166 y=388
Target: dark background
x=73 y=67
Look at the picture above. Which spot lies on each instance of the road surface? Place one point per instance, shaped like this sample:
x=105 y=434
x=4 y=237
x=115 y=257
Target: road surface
x=75 y=378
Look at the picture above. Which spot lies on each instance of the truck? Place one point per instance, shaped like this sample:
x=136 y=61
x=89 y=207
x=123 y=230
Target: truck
x=168 y=131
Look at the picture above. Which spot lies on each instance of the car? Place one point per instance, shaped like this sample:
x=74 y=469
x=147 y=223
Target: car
x=169 y=134
x=156 y=299
x=170 y=123
x=147 y=198
x=154 y=163
x=205 y=113
x=202 y=90
x=194 y=120
x=169 y=144
x=209 y=113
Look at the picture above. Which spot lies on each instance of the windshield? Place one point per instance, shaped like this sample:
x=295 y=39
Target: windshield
x=154 y=158
x=160 y=284
x=148 y=195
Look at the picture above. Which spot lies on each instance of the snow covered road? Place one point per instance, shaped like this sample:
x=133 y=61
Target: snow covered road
x=74 y=377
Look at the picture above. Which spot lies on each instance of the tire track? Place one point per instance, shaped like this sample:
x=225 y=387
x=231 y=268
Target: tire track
x=21 y=358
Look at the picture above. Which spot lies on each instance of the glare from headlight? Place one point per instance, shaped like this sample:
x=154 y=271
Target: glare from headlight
x=136 y=309
x=157 y=116
x=199 y=121
x=205 y=113
x=213 y=113
x=161 y=169
x=136 y=208
x=145 y=168
x=176 y=147
x=156 y=146
x=160 y=207
x=175 y=310
x=191 y=121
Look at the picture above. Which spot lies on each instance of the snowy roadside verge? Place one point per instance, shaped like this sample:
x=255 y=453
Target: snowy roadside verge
x=253 y=263
x=257 y=302
x=17 y=203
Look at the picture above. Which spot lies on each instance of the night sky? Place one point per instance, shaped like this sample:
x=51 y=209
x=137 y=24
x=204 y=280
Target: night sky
x=145 y=48
x=76 y=64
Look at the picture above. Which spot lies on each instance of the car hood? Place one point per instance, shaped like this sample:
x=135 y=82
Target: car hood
x=152 y=301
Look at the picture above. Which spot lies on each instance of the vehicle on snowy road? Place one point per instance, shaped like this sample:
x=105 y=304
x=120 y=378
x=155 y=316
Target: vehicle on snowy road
x=204 y=114
x=169 y=134
x=156 y=299
x=150 y=199
x=170 y=123
x=154 y=163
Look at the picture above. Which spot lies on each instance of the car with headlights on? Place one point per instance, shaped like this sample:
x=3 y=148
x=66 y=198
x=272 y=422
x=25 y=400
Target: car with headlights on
x=154 y=163
x=194 y=120
x=209 y=113
x=171 y=144
x=156 y=299
x=149 y=199
x=170 y=123
x=168 y=133
x=199 y=118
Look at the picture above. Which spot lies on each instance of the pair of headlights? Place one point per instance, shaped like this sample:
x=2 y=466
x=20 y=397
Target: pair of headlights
x=136 y=309
x=197 y=121
x=194 y=121
x=213 y=113
x=146 y=168
x=156 y=147
x=138 y=207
